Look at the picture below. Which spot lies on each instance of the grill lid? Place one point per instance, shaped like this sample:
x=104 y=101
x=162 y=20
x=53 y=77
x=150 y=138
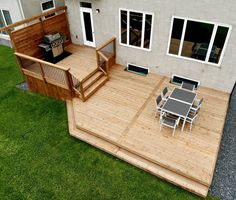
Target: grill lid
x=51 y=37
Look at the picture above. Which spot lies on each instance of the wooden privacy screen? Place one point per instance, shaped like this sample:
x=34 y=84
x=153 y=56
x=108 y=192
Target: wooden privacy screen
x=27 y=39
x=57 y=24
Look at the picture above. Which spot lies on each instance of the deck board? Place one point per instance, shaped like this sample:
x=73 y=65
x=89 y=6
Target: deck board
x=122 y=112
x=119 y=119
x=82 y=61
x=132 y=158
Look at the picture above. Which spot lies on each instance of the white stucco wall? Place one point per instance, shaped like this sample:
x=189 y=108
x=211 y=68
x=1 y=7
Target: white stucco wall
x=13 y=7
x=33 y=7
x=106 y=25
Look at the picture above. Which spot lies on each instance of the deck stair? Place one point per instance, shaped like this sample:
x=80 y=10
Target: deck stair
x=91 y=84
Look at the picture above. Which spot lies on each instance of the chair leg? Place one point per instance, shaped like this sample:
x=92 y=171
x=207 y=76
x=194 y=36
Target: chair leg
x=173 y=133
x=191 y=124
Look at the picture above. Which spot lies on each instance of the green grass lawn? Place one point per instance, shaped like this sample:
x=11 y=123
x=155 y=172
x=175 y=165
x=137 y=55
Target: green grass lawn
x=40 y=160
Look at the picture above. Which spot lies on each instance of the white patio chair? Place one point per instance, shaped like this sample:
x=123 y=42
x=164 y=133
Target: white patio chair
x=165 y=93
x=187 y=86
x=191 y=118
x=196 y=106
x=169 y=122
x=159 y=105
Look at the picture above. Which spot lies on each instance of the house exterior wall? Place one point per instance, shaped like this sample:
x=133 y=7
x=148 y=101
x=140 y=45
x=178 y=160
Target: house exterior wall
x=13 y=7
x=106 y=25
x=33 y=7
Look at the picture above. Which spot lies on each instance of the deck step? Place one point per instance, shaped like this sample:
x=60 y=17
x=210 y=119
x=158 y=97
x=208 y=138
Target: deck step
x=89 y=82
x=95 y=86
x=133 y=159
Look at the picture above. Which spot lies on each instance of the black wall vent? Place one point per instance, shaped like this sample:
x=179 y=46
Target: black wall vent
x=137 y=69
x=176 y=79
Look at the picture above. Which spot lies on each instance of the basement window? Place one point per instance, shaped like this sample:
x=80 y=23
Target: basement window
x=135 y=29
x=137 y=69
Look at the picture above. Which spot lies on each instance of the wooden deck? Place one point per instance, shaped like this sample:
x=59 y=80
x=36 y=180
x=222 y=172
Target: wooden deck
x=81 y=62
x=119 y=119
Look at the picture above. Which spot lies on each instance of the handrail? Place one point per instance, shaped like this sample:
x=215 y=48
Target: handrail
x=102 y=55
x=46 y=78
x=6 y=28
x=41 y=61
x=103 y=71
x=105 y=43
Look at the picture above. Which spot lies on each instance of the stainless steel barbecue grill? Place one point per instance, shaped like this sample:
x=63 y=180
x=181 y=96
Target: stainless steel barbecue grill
x=52 y=45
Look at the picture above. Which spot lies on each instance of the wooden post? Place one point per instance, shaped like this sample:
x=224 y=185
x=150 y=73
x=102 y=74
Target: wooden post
x=82 y=91
x=114 y=47
x=107 y=67
x=41 y=22
x=70 y=83
x=20 y=65
x=67 y=23
x=98 y=59
x=42 y=72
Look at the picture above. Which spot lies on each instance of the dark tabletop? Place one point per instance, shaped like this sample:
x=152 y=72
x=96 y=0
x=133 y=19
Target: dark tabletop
x=183 y=95
x=176 y=107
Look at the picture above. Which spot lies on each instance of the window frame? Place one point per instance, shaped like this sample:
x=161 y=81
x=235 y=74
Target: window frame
x=144 y=13
x=41 y=5
x=206 y=61
x=4 y=36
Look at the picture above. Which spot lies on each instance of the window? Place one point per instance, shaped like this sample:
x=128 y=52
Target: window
x=85 y=5
x=47 y=5
x=197 y=40
x=5 y=19
x=136 y=29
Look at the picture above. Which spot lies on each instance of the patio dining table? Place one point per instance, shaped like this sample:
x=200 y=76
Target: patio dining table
x=179 y=103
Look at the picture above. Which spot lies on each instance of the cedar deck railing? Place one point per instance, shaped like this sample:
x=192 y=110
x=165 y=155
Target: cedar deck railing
x=46 y=78
x=58 y=81
x=106 y=55
x=52 y=79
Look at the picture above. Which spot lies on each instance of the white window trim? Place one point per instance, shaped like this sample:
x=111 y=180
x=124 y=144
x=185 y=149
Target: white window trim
x=143 y=27
x=41 y=5
x=3 y=36
x=216 y=24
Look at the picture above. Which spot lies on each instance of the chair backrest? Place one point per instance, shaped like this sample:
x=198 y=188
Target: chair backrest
x=171 y=122
x=158 y=100
x=199 y=105
x=200 y=102
x=192 y=116
x=188 y=86
x=164 y=91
